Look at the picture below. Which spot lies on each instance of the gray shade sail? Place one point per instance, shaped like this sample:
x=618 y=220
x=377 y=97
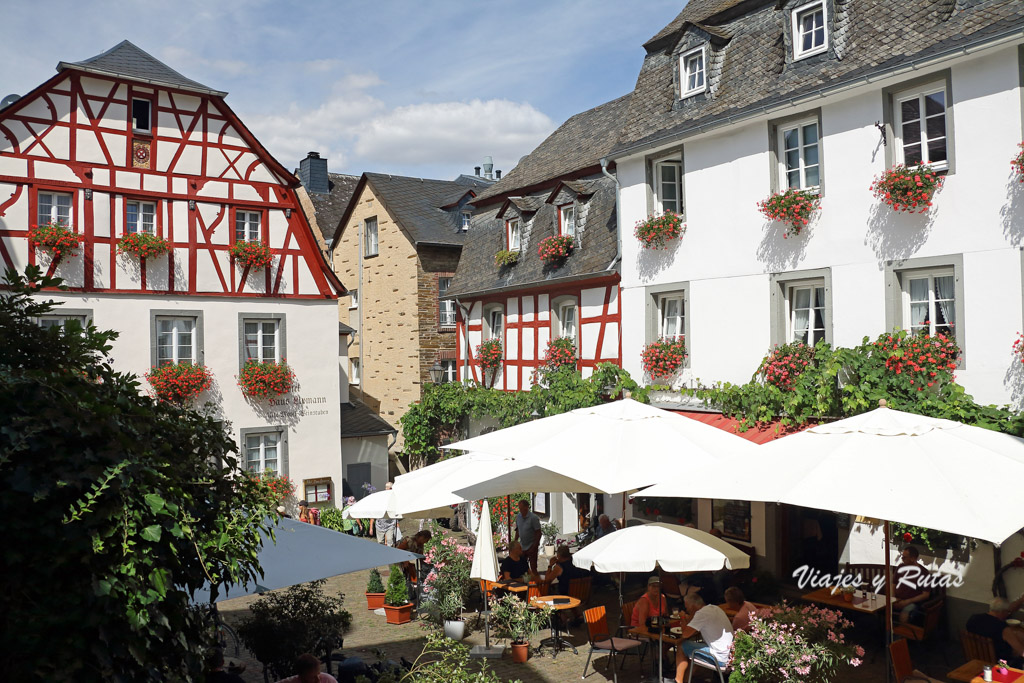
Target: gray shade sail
x=306 y=552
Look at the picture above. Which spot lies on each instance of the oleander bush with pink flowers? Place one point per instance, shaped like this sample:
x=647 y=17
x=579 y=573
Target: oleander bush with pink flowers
x=789 y=643
x=450 y=562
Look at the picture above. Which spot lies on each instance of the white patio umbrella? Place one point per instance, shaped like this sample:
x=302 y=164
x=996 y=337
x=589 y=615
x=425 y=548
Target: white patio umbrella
x=648 y=546
x=610 y=448
x=382 y=505
x=485 y=567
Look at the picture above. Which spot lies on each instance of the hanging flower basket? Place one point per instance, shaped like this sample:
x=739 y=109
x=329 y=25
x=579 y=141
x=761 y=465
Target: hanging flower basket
x=1018 y=347
x=655 y=232
x=253 y=255
x=506 y=258
x=662 y=358
x=179 y=383
x=907 y=188
x=489 y=354
x=143 y=245
x=785 y=363
x=58 y=238
x=1018 y=163
x=267 y=379
x=794 y=207
x=561 y=352
x=555 y=249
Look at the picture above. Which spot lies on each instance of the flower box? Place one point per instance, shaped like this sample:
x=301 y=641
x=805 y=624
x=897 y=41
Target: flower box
x=657 y=231
x=561 y=352
x=907 y=188
x=143 y=245
x=398 y=614
x=374 y=600
x=793 y=207
x=179 y=383
x=662 y=358
x=555 y=249
x=265 y=379
x=253 y=255
x=58 y=238
x=506 y=258
x=489 y=354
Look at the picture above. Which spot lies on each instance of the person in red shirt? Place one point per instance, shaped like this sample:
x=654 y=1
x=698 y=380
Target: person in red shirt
x=911 y=578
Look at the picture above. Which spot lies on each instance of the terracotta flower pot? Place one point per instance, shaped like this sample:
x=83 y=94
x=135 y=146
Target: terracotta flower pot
x=520 y=652
x=374 y=600
x=400 y=614
x=848 y=597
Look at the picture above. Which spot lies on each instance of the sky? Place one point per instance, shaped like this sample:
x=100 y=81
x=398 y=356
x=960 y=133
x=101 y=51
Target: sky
x=423 y=88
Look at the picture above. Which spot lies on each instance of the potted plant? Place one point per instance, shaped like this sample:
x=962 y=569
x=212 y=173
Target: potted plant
x=656 y=231
x=489 y=354
x=396 y=598
x=449 y=608
x=555 y=249
x=374 y=590
x=179 y=383
x=516 y=621
x=560 y=352
x=251 y=254
x=265 y=379
x=57 y=237
x=143 y=245
x=907 y=188
x=794 y=206
x=549 y=530
x=848 y=592
x=506 y=258
x=662 y=358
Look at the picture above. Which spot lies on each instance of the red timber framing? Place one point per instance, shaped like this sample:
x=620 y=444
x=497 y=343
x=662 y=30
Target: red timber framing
x=74 y=134
x=523 y=369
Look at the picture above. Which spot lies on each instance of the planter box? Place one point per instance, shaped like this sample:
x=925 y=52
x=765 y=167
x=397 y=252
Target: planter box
x=402 y=614
x=374 y=600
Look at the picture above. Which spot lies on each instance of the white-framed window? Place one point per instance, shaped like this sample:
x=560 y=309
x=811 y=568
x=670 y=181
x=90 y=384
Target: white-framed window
x=567 y=220
x=920 y=126
x=668 y=191
x=261 y=341
x=800 y=155
x=60 y=321
x=140 y=217
x=318 y=492
x=142 y=115
x=806 y=319
x=353 y=298
x=692 y=72
x=175 y=340
x=355 y=374
x=446 y=307
x=515 y=236
x=810 y=30
x=263 y=452
x=671 y=316
x=466 y=219
x=566 y=318
x=53 y=207
x=247 y=226
x=371 y=246
x=450 y=374
x=494 y=322
x=929 y=302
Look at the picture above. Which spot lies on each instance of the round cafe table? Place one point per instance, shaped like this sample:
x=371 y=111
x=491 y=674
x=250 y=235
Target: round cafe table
x=557 y=603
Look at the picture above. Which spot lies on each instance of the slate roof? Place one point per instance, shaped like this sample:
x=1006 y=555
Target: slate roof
x=596 y=250
x=755 y=69
x=416 y=205
x=358 y=420
x=331 y=206
x=577 y=144
x=129 y=61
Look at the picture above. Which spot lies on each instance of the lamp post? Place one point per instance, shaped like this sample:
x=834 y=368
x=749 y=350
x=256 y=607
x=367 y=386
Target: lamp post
x=436 y=373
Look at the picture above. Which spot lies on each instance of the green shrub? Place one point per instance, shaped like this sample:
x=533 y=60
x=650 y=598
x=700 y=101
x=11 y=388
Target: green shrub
x=374 y=584
x=332 y=519
x=397 y=593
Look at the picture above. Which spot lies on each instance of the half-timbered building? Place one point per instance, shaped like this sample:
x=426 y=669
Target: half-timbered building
x=120 y=144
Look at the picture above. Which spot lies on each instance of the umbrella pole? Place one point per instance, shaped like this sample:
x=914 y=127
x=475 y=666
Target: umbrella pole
x=888 y=605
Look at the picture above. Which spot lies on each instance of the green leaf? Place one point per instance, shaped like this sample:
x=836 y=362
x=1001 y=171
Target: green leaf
x=155 y=502
x=152 y=533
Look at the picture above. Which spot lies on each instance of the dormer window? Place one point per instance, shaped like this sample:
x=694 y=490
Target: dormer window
x=142 y=115
x=567 y=220
x=466 y=218
x=515 y=236
x=810 y=36
x=692 y=75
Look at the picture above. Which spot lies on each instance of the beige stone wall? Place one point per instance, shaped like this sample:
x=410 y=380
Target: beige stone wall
x=388 y=304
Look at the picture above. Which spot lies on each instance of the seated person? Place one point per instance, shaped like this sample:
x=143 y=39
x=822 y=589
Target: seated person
x=651 y=604
x=909 y=595
x=562 y=571
x=413 y=544
x=604 y=526
x=307 y=669
x=736 y=602
x=714 y=627
x=1008 y=640
x=515 y=566
x=702 y=583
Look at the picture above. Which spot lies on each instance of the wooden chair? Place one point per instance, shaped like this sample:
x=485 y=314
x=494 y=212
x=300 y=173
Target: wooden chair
x=602 y=642
x=932 y=609
x=979 y=651
x=534 y=591
x=580 y=589
x=902 y=666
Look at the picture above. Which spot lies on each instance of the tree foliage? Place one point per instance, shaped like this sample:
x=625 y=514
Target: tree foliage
x=116 y=508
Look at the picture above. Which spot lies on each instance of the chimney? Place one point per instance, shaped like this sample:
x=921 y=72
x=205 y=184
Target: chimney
x=497 y=175
x=313 y=174
x=488 y=167
x=476 y=171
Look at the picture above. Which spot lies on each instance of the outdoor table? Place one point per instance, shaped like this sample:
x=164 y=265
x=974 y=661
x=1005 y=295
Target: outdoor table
x=864 y=605
x=1012 y=676
x=557 y=642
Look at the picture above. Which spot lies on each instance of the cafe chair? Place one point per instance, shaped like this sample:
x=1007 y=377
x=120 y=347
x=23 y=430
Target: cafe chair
x=603 y=643
x=932 y=609
x=706 y=661
x=979 y=651
x=903 y=668
x=580 y=589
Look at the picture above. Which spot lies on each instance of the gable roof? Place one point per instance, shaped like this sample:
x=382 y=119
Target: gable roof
x=417 y=205
x=127 y=60
x=358 y=420
x=576 y=147
x=329 y=207
x=755 y=71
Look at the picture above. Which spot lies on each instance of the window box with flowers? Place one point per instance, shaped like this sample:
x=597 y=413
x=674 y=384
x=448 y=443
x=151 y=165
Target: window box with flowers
x=657 y=231
x=506 y=258
x=907 y=188
x=489 y=354
x=253 y=254
x=272 y=486
x=58 y=238
x=179 y=383
x=265 y=379
x=555 y=249
x=664 y=357
x=794 y=207
x=1018 y=163
x=561 y=352
x=143 y=245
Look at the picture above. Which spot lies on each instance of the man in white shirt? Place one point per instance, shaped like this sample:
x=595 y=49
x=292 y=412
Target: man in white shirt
x=714 y=627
